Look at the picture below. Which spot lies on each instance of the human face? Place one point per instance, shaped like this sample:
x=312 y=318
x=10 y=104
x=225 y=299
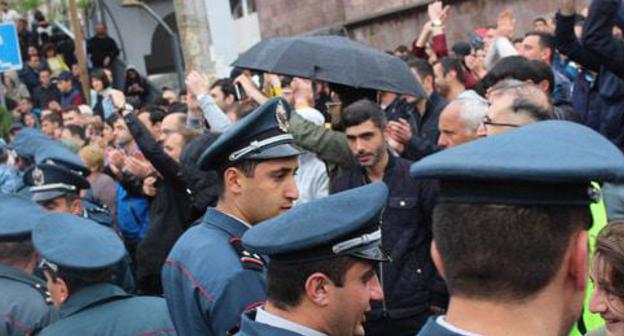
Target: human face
x=121 y=134
x=25 y=106
x=532 y=50
x=603 y=300
x=97 y=84
x=100 y=30
x=63 y=85
x=29 y=121
x=170 y=125
x=57 y=289
x=275 y=181
x=48 y=128
x=453 y=131
x=153 y=128
x=441 y=83
x=489 y=37
x=44 y=78
x=500 y=118
x=350 y=302
x=107 y=135
x=169 y=96
x=72 y=118
x=173 y=146
x=540 y=25
x=58 y=205
x=218 y=96
x=367 y=143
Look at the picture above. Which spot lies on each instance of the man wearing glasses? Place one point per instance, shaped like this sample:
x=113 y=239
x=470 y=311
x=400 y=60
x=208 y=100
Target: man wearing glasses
x=513 y=104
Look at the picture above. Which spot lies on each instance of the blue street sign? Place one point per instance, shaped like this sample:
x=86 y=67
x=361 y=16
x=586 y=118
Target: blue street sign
x=10 y=56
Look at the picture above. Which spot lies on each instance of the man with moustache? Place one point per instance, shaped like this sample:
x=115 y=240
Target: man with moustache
x=208 y=278
x=412 y=289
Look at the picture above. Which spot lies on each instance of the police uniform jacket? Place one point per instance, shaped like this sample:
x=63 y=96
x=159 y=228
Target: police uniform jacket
x=410 y=282
x=249 y=327
x=105 y=309
x=205 y=281
x=24 y=303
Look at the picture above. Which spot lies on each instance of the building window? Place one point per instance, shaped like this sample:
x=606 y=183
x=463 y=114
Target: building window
x=236 y=7
x=251 y=6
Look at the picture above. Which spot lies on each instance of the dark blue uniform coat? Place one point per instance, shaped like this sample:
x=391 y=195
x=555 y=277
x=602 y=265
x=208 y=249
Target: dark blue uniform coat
x=24 y=305
x=206 y=286
x=105 y=309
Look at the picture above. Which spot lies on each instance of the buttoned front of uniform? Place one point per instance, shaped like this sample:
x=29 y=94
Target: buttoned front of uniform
x=105 y=309
x=24 y=305
x=206 y=286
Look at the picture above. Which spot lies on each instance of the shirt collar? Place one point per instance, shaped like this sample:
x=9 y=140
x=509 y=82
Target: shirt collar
x=442 y=322
x=262 y=316
x=90 y=296
x=226 y=222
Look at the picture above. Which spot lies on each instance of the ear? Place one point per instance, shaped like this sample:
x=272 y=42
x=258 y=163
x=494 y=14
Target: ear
x=76 y=207
x=544 y=86
x=547 y=55
x=318 y=289
x=578 y=264
x=428 y=82
x=62 y=290
x=232 y=178
x=229 y=99
x=437 y=259
x=451 y=75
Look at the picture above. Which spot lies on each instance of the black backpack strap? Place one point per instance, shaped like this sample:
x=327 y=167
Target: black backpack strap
x=250 y=261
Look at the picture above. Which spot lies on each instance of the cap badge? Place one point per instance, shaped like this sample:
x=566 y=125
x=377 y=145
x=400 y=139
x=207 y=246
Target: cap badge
x=282 y=117
x=37 y=176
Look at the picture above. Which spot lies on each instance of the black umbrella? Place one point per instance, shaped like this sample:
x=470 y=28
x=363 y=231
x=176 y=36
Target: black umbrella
x=332 y=59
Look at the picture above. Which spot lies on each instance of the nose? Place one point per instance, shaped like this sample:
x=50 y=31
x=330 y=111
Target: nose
x=292 y=192
x=481 y=132
x=442 y=141
x=376 y=291
x=597 y=303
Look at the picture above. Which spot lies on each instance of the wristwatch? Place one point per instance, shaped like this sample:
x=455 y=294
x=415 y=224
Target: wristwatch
x=436 y=23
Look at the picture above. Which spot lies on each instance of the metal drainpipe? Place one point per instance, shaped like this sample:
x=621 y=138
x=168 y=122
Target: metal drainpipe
x=175 y=43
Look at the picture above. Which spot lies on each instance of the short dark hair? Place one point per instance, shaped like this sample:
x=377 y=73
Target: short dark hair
x=11 y=251
x=422 y=67
x=453 y=64
x=226 y=85
x=100 y=75
x=540 y=19
x=503 y=251
x=511 y=67
x=543 y=71
x=546 y=40
x=247 y=167
x=76 y=281
x=53 y=117
x=156 y=113
x=362 y=111
x=286 y=281
x=76 y=130
x=401 y=48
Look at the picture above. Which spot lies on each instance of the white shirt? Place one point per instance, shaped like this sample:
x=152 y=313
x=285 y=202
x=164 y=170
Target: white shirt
x=442 y=322
x=264 y=317
x=10 y=16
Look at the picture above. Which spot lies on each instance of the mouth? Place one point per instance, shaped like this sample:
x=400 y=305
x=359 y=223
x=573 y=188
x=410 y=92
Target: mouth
x=612 y=324
x=364 y=157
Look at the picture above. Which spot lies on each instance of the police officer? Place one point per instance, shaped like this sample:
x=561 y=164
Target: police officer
x=323 y=259
x=510 y=229
x=57 y=189
x=77 y=256
x=25 y=306
x=208 y=278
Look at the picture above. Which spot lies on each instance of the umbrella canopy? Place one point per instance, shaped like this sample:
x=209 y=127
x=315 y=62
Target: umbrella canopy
x=332 y=59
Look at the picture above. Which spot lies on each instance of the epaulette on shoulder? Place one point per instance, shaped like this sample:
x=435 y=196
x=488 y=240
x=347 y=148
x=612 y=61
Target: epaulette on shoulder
x=249 y=260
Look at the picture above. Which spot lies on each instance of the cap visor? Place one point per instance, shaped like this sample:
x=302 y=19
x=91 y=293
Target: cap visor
x=44 y=196
x=372 y=252
x=276 y=152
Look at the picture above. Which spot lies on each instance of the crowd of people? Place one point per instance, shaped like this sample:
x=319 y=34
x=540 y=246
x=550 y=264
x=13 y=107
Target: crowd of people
x=267 y=204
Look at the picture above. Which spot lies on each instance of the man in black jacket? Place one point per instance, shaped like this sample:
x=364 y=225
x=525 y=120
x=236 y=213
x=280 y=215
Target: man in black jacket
x=102 y=48
x=412 y=289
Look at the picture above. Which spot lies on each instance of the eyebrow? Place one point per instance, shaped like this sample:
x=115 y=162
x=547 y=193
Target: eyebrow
x=369 y=274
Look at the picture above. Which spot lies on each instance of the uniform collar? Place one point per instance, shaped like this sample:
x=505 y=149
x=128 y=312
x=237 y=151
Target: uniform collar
x=228 y=223
x=251 y=327
x=264 y=317
x=458 y=331
x=16 y=274
x=91 y=296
